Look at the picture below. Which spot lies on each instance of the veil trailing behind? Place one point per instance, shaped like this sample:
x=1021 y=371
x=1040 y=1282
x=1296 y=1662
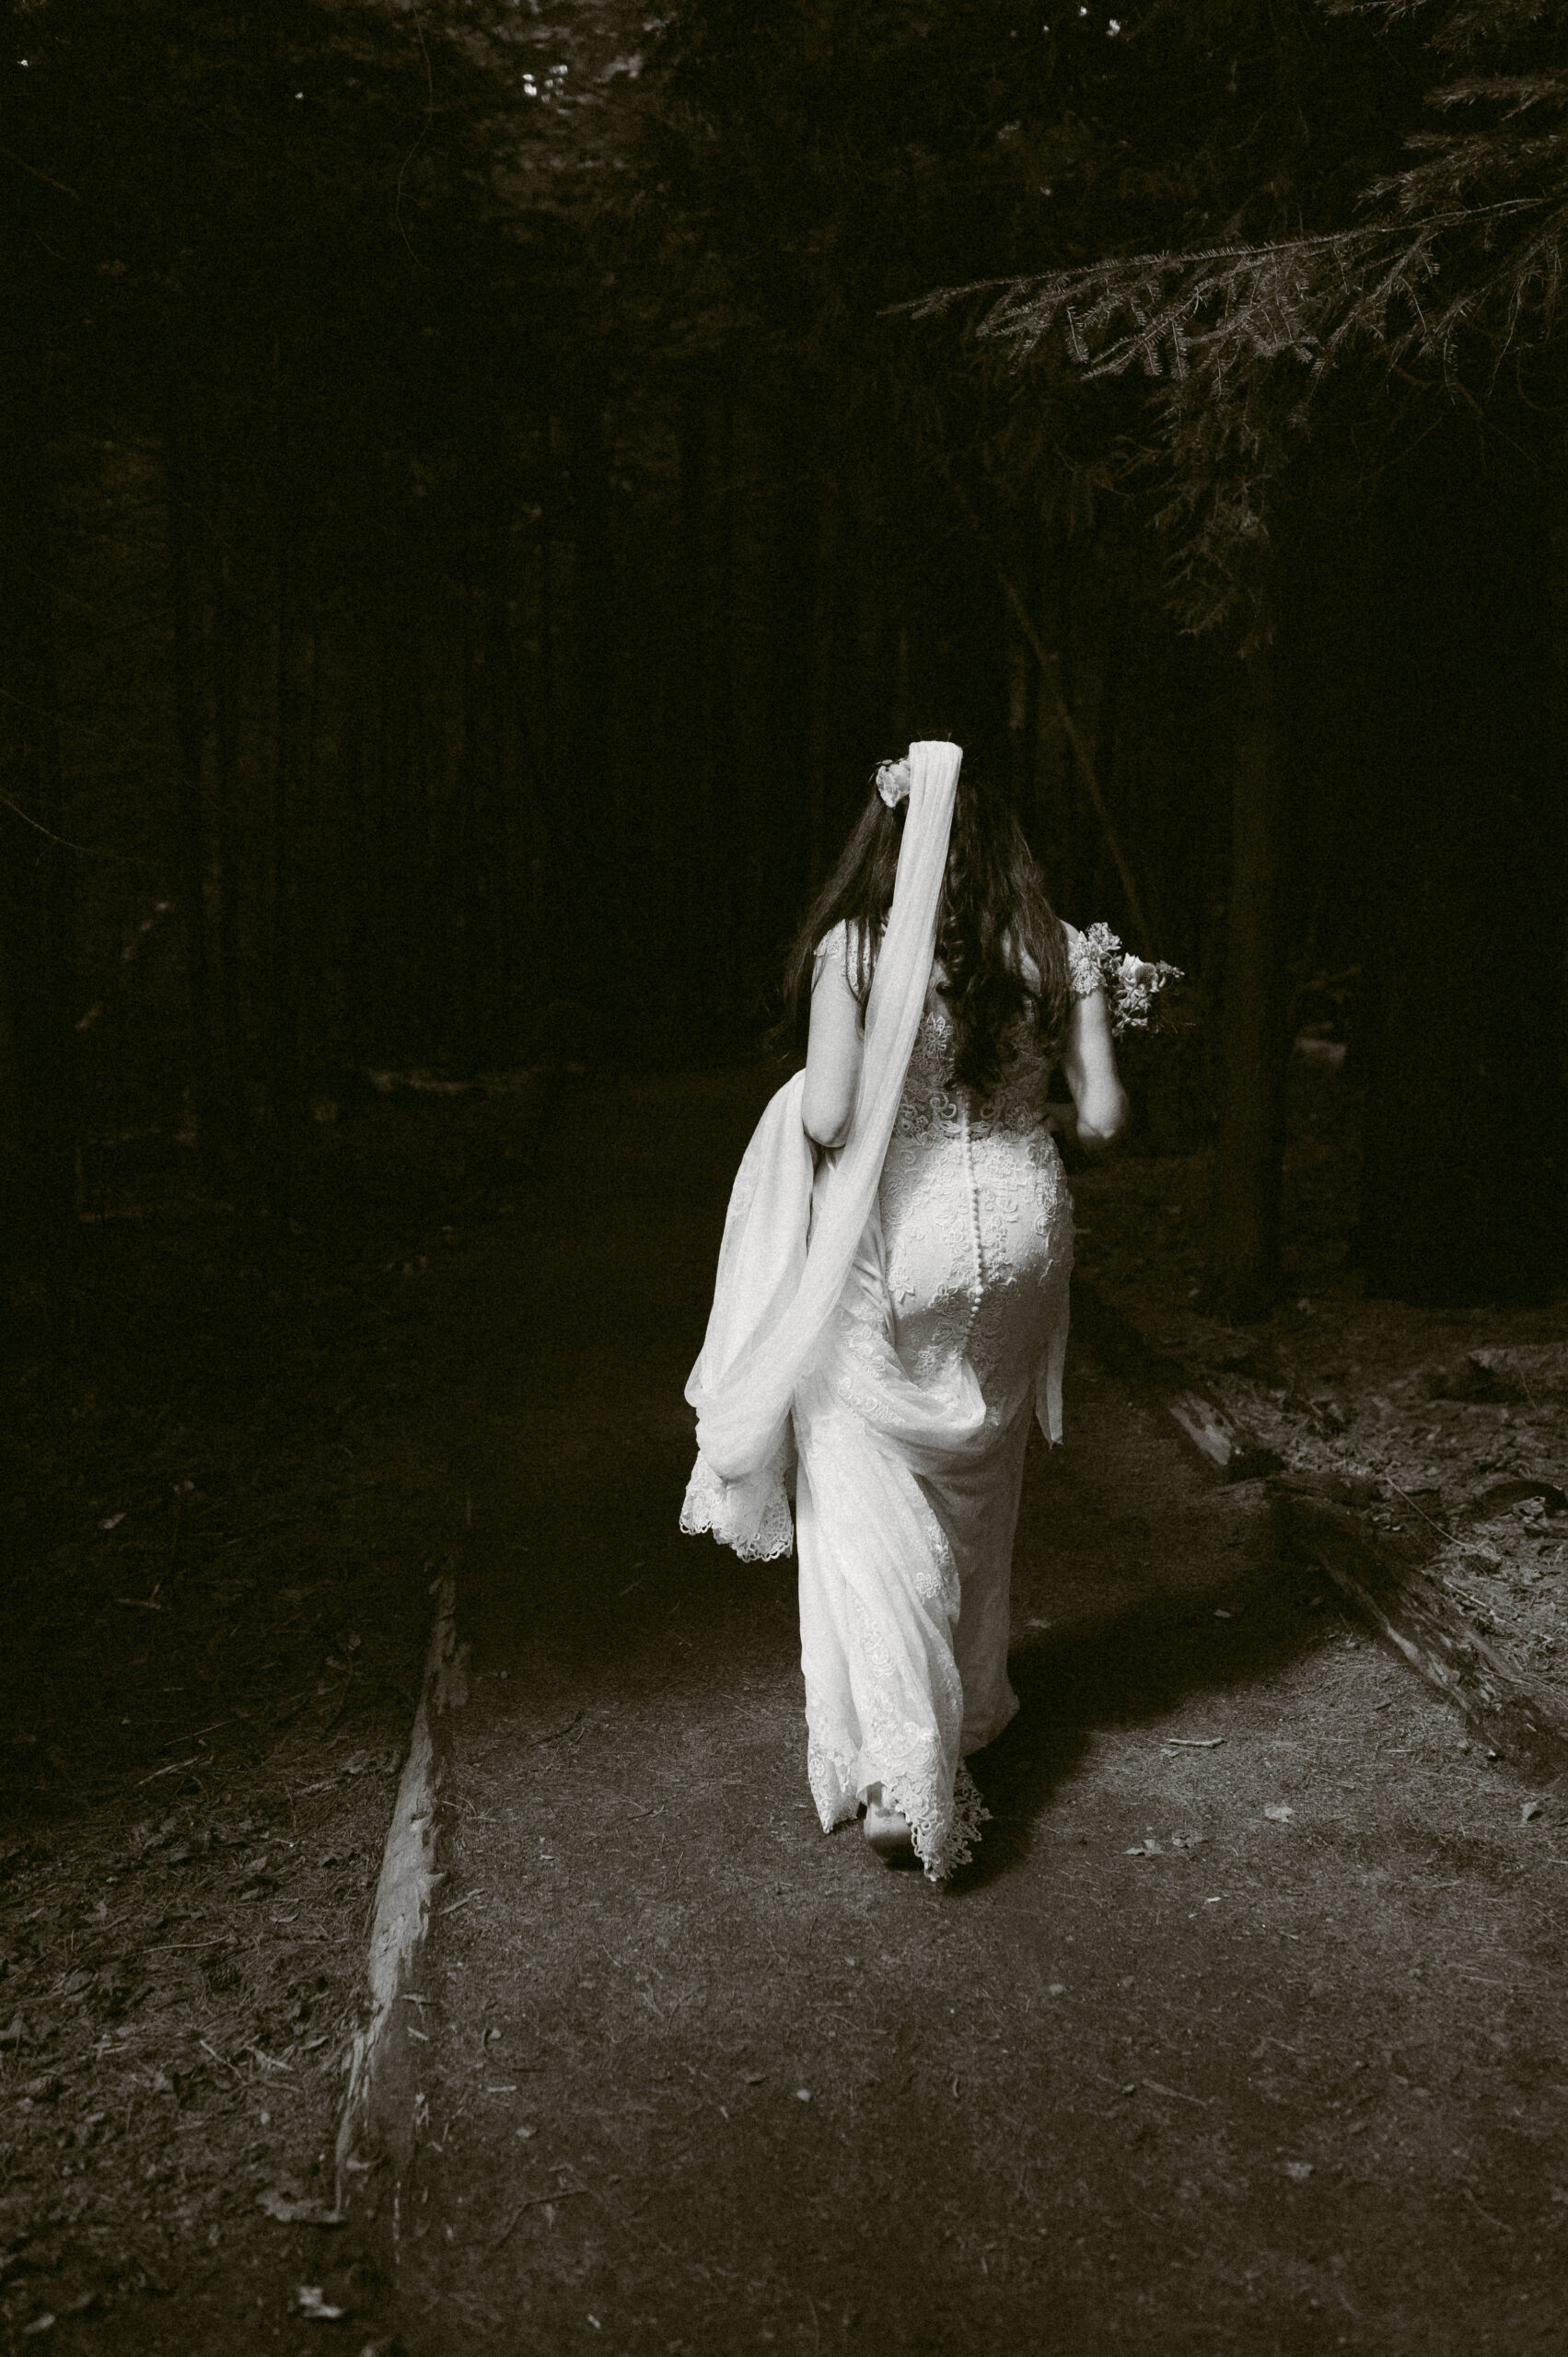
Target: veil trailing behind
x=790 y=1247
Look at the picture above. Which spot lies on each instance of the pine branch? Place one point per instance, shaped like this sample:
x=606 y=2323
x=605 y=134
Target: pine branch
x=1464 y=29
x=1462 y=261
x=1199 y=318
x=1518 y=91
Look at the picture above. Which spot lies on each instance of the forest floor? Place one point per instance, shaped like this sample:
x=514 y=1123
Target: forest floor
x=224 y=1492
x=1245 y=2028
x=1452 y=1423
x=239 y=1472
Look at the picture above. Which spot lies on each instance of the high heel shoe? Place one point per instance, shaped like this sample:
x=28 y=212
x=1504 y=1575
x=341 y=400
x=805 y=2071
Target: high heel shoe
x=887 y=1832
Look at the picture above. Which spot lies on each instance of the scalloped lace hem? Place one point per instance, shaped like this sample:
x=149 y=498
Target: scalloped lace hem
x=944 y=1839
x=752 y=1517
x=943 y=1832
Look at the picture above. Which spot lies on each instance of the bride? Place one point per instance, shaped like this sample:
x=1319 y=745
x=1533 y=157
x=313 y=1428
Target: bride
x=891 y=1304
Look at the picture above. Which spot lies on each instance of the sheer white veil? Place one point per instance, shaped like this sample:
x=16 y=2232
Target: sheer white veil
x=775 y=1293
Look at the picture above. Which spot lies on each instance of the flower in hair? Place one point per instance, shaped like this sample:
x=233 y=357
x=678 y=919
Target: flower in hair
x=893 y=783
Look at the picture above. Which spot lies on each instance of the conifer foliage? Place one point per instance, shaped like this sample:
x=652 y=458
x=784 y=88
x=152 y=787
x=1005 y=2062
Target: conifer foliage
x=479 y=504
x=1449 y=264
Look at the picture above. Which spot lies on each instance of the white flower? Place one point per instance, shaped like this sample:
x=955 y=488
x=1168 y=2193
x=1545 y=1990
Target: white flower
x=893 y=783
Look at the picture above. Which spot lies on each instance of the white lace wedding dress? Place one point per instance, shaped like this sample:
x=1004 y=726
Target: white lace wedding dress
x=905 y=1544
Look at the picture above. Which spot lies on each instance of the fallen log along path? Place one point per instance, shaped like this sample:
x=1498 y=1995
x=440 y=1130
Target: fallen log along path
x=1381 y=1575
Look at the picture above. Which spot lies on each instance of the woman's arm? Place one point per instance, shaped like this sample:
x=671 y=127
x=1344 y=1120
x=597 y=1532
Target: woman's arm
x=1088 y=1060
x=833 y=1054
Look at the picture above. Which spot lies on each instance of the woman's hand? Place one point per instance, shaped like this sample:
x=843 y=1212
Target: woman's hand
x=1088 y=1060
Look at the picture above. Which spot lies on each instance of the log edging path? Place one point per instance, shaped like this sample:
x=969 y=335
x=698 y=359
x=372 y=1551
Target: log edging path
x=1382 y=1574
x=376 y=2132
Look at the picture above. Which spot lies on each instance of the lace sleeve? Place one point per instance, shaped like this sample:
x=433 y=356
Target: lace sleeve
x=1084 y=970
x=751 y=1515
x=831 y=950
x=843 y=945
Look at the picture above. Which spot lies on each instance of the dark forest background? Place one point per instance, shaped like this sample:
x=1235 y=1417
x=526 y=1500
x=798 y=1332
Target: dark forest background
x=477 y=504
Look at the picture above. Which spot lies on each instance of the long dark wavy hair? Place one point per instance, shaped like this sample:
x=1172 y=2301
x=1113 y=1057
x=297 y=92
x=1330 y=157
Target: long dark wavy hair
x=993 y=916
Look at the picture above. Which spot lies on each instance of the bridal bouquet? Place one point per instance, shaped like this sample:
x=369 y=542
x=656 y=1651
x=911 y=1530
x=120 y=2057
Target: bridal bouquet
x=1132 y=985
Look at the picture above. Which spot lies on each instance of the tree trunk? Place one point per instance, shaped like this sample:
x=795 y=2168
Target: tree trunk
x=281 y=982
x=1106 y=749
x=691 y=780
x=423 y=975
x=469 y=833
x=381 y=1013
x=224 y=670
x=1462 y=1182
x=543 y=735
x=531 y=955
x=1056 y=671
x=405 y=820
x=189 y=700
x=500 y=772
x=1555 y=475
x=309 y=937
x=38 y=914
x=1026 y=685
x=598 y=883
x=789 y=688
x=901 y=681
x=1051 y=799
x=823 y=681
x=355 y=921
x=1250 y=1158
x=722 y=781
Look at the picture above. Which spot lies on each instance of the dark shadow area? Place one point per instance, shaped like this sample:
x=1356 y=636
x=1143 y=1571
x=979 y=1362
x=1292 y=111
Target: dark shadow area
x=1135 y=1666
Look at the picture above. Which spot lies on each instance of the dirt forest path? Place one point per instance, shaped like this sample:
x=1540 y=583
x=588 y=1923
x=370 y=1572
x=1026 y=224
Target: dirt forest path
x=1246 y=2029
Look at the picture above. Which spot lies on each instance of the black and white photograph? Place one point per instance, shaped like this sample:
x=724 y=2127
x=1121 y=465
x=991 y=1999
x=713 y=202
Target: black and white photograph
x=783 y=1177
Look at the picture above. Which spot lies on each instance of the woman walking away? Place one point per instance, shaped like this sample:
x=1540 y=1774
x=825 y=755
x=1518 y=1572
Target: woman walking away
x=891 y=1301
